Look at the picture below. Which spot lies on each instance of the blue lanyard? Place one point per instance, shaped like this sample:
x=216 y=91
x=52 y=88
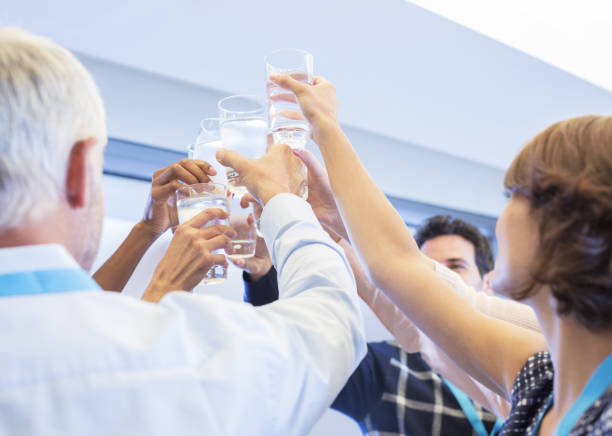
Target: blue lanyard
x=46 y=281
x=597 y=385
x=470 y=411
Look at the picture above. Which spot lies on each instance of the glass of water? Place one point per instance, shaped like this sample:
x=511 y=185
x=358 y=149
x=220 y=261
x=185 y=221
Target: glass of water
x=193 y=199
x=206 y=145
x=243 y=128
x=287 y=123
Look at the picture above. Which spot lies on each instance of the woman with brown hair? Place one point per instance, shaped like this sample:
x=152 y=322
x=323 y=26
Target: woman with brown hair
x=555 y=254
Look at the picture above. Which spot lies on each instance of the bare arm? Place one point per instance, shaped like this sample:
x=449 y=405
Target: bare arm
x=117 y=270
x=396 y=266
x=158 y=217
x=413 y=340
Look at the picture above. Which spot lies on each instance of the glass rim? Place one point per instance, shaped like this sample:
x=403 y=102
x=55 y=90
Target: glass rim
x=192 y=145
x=254 y=97
x=214 y=119
x=288 y=50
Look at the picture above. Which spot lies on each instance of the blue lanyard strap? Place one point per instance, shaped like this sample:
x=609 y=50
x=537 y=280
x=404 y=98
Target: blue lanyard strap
x=46 y=281
x=470 y=411
x=596 y=386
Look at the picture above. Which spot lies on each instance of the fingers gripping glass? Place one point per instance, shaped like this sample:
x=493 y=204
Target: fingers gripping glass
x=206 y=146
x=243 y=128
x=194 y=199
x=287 y=122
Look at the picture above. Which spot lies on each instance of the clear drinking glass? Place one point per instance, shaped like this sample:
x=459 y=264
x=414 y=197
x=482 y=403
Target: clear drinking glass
x=243 y=128
x=287 y=123
x=206 y=145
x=193 y=199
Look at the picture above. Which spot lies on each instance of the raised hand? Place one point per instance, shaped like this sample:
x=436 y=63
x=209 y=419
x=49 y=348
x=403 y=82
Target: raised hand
x=320 y=195
x=317 y=101
x=190 y=255
x=278 y=171
x=160 y=211
x=259 y=265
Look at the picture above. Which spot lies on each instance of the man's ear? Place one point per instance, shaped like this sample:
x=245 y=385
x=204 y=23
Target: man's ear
x=78 y=174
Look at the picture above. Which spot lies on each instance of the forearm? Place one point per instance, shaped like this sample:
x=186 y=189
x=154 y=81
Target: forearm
x=413 y=340
x=395 y=265
x=117 y=270
x=406 y=334
x=371 y=220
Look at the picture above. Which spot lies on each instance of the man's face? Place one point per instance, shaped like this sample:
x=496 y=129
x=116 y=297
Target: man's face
x=457 y=254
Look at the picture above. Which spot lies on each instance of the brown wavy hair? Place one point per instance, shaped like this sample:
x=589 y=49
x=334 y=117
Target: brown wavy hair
x=566 y=172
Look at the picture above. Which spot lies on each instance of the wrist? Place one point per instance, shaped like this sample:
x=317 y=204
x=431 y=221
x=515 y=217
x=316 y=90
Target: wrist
x=154 y=292
x=146 y=231
x=325 y=125
x=261 y=272
x=272 y=191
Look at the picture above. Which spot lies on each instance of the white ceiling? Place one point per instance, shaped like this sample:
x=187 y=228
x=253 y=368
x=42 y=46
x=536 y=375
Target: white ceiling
x=401 y=71
x=572 y=35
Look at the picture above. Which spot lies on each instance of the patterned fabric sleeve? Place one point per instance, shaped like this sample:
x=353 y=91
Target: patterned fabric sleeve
x=532 y=389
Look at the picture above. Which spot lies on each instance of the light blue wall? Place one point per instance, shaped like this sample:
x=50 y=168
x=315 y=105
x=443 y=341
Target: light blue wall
x=155 y=110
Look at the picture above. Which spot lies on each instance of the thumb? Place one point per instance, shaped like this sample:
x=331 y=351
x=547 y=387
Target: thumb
x=230 y=158
x=246 y=201
x=311 y=163
x=288 y=82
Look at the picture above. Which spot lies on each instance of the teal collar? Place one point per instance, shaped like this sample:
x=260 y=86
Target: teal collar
x=46 y=281
x=470 y=412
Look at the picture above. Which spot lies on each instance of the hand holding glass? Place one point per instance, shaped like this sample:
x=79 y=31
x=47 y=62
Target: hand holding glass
x=287 y=123
x=206 y=146
x=193 y=199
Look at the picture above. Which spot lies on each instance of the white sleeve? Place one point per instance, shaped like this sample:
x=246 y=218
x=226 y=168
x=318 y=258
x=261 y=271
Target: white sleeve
x=275 y=369
x=316 y=322
x=496 y=307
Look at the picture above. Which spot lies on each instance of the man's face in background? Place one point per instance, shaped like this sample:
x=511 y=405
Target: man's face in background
x=457 y=254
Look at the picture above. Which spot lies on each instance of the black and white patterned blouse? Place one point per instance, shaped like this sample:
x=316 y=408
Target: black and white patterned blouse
x=533 y=388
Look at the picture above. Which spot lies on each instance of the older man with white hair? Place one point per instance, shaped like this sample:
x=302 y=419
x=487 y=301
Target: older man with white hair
x=78 y=360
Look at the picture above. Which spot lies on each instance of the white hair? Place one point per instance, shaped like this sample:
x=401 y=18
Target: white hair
x=48 y=102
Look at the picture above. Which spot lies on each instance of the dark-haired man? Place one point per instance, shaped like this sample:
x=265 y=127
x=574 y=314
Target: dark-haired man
x=393 y=391
x=459 y=246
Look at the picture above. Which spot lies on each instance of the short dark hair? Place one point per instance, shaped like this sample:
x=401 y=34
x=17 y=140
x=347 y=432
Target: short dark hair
x=441 y=225
x=566 y=174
